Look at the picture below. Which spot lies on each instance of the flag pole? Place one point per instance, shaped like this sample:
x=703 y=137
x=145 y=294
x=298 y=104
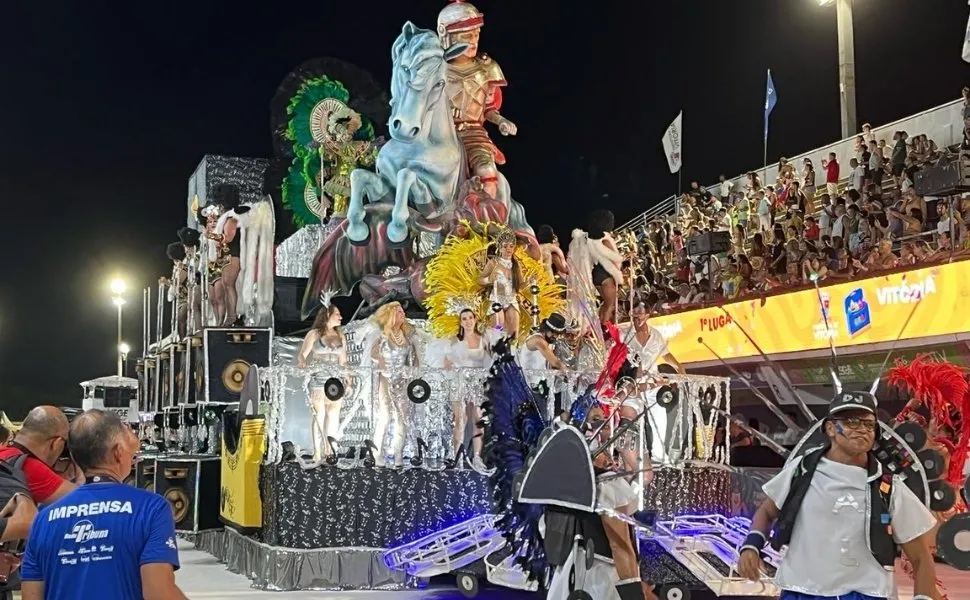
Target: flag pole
x=764 y=161
x=764 y=158
x=680 y=171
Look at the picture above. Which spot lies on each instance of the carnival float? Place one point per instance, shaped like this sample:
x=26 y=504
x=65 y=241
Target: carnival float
x=478 y=414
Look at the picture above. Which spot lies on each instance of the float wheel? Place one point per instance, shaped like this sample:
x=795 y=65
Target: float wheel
x=467 y=584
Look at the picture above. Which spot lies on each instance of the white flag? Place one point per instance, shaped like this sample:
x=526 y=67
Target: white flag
x=671 y=141
x=966 y=43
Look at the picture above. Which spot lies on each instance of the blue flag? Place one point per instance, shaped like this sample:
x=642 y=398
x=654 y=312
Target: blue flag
x=771 y=98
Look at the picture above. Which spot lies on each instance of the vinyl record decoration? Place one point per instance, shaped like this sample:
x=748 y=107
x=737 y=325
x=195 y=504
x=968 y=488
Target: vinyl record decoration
x=334 y=389
x=419 y=391
x=668 y=396
x=677 y=591
x=912 y=434
x=953 y=541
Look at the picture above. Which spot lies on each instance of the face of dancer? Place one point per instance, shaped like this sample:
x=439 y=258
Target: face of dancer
x=853 y=432
x=398 y=317
x=506 y=249
x=335 y=318
x=639 y=315
x=468 y=321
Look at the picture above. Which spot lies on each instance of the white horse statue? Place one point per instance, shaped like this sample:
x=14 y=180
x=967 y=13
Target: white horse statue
x=421 y=166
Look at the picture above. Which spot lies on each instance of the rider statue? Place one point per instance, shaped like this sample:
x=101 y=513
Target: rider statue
x=474 y=86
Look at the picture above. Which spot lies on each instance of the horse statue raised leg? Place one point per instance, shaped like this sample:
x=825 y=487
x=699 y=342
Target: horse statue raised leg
x=420 y=165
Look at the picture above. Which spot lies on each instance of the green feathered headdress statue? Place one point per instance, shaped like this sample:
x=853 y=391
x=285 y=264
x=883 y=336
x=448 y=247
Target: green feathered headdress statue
x=322 y=132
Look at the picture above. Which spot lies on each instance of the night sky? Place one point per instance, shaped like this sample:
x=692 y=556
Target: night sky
x=108 y=106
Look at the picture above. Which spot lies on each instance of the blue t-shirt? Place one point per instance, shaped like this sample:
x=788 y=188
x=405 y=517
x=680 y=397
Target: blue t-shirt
x=92 y=542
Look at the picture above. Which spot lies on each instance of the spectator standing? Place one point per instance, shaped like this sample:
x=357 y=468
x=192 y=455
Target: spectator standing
x=796 y=199
x=812 y=231
x=875 y=164
x=764 y=212
x=831 y=167
x=42 y=438
x=826 y=216
x=851 y=224
x=838 y=222
x=726 y=187
x=867 y=135
x=857 y=176
x=808 y=178
x=128 y=534
x=899 y=155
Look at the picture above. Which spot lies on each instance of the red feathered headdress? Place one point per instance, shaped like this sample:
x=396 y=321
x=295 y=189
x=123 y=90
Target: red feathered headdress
x=943 y=388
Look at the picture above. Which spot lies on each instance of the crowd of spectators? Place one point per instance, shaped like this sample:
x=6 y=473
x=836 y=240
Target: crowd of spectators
x=44 y=504
x=842 y=222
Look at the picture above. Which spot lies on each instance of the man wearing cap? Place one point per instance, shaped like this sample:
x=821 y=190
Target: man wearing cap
x=842 y=515
x=536 y=353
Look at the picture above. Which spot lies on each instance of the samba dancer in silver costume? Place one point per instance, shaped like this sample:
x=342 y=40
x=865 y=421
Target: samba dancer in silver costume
x=393 y=350
x=503 y=276
x=470 y=350
x=324 y=344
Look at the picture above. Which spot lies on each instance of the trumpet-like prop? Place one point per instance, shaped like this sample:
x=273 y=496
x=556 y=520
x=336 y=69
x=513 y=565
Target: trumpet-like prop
x=834 y=367
x=619 y=432
x=775 y=410
x=798 y=401
x=781 y=450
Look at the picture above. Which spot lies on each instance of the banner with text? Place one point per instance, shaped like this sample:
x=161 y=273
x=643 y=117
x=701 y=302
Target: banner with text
x=860 y=312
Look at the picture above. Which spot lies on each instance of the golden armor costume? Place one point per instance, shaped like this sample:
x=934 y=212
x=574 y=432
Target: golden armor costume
x=474 y=86
x=475 y=90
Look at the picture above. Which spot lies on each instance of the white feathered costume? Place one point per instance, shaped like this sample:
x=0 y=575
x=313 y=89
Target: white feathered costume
x=254 y=287
x=584 y=255
x=256 y=229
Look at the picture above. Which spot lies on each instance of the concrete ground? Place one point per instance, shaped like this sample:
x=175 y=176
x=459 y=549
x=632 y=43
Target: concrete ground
x=203 y=577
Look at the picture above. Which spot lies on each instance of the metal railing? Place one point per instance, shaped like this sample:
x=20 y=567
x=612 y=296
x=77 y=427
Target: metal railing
x=937 y=123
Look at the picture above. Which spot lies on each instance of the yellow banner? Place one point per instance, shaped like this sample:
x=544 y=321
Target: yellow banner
x=860 y=312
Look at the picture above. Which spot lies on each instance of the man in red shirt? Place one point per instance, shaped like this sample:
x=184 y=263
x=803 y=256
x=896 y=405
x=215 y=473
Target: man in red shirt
x=831 y=167
x=42 y=438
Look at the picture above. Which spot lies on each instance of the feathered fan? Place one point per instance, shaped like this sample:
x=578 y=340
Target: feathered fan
x=366 y=96
x=513 y=423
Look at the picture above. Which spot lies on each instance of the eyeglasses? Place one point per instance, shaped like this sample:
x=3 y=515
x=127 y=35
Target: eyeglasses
x=857 y=423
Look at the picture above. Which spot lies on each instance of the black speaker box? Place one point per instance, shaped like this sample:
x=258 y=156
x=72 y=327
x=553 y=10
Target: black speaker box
x=145 y=473
x=705 y=244
x=950 y=175
x=287 y=304
x=191 y=485
x=229 y=353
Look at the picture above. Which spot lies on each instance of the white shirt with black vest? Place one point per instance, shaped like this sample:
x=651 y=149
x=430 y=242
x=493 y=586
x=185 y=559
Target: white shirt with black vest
x=829 y=551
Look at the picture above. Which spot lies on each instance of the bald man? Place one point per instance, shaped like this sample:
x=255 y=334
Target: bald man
x=42 y=438
x=123 y=537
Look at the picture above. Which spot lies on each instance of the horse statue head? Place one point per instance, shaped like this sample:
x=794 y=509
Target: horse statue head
x=420 y=65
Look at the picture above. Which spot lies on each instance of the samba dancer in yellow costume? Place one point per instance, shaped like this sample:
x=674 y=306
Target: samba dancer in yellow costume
x=456 y=272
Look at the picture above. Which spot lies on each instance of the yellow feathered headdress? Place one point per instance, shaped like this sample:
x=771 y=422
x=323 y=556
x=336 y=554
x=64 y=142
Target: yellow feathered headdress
x=451 y=279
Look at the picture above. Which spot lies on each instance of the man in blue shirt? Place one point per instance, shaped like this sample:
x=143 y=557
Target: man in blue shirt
x=104 y=540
